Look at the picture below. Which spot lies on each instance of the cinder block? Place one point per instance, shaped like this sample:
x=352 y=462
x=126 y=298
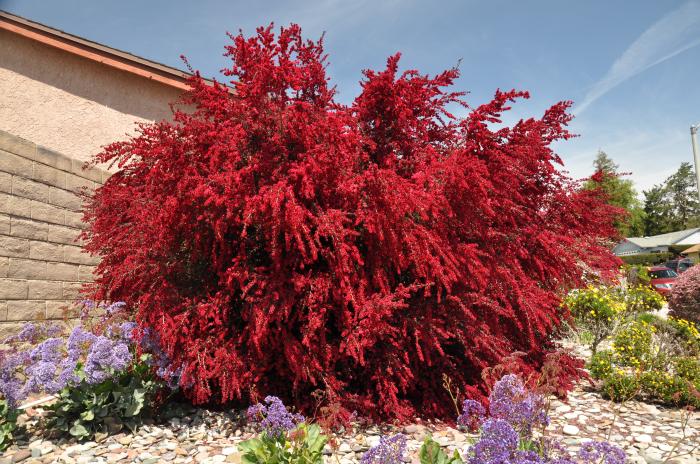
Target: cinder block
x=46 y=156
x=78 y=256
x=92 y=173
x=77 y=184
x=29 y=189
x=14 y=247
x=44 y=290
x=105 y=175
x=48 y=213
x=11 y=289
x=86 y=273
x=50 y=175
x=4 y=266
x=26 y=310
x=5 y=224
x=27 y=228
x=64 y=199
x=8 y=329
x=12 y=143
x=14 y=164
x=73 y=254
x=75 y=219
x=52 y=158
x=26 y=269
x=46 y=251
x=61 y=310
x=3 y=317
x=71 y=290
x=18 y=206
x=62 y=271
x=62 y=234
x=5 y=182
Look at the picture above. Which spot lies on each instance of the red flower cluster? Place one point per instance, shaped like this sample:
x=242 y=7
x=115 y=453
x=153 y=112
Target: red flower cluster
x=280 y=242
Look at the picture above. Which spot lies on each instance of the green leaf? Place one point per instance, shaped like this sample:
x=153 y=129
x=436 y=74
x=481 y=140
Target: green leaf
x=139 y=394
x=87 y=415
x=250 y=445
x=432 y=453
x=133 y=409
x=79 y=431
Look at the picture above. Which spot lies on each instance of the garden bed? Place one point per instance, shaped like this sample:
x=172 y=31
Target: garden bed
x=647 y=433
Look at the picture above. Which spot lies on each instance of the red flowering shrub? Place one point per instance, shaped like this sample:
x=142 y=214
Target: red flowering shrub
x=280 y=242
x=685 y=297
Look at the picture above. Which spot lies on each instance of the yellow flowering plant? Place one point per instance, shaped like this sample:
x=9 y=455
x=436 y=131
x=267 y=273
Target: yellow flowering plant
x=688 y=331
x=642 y=298
x=598 y=310
x=652 y=358
x=634 y=347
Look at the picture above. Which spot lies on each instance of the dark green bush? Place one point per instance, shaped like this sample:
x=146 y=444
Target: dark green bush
x=637 y=274
x=647 y=259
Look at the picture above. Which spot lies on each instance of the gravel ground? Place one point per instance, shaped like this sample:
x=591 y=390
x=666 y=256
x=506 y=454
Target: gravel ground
x=649 y=434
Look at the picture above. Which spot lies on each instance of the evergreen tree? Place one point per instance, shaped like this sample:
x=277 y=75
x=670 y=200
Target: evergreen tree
x=674 y=204
x=683 y=192
x=619 y=192
x=657 y=211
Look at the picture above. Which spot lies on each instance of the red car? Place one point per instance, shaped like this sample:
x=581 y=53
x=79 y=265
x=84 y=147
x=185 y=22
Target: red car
x=662 y=279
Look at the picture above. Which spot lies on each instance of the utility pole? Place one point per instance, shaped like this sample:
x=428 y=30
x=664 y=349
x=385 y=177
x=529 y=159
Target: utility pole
x=696 y=152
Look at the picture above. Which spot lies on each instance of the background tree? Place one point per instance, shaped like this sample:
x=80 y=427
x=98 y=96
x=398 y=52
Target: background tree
x=657 y=211
x=673 y=205
x=276 y=241
x=619 y=192
x=683 y=194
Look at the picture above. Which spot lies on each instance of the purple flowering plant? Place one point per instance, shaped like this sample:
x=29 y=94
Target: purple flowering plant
x=390 y=450
x=285 y=437
x=46 y=358
x=514 y=431
x=103 y=380
x=511 y=431
x=273 y=417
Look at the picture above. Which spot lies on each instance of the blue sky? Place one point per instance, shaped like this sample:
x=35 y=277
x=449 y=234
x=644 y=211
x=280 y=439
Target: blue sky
x=631 y=67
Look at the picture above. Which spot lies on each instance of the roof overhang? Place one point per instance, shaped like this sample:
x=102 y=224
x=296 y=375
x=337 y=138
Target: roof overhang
x=108 y=56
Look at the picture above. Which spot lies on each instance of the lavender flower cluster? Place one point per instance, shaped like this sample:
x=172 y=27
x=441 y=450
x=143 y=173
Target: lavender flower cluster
x=159 y=359
x=390 y=450
x=46 y=358
x=273 y=417
x=42 y=360
x=507 y=433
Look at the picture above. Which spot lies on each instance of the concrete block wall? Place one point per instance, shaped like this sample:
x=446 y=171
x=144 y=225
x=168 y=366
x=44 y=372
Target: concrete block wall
x=42 y=265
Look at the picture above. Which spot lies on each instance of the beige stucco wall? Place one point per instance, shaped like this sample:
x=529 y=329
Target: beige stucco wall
x=71 y=104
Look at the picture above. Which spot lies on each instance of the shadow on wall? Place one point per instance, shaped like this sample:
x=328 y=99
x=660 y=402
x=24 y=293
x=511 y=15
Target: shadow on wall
x=113 y=88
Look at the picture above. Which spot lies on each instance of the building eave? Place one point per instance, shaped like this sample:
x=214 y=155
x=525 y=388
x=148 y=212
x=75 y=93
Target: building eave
x=94 y=51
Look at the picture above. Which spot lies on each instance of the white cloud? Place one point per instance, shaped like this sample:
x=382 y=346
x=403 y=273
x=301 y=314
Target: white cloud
x=675 y=33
